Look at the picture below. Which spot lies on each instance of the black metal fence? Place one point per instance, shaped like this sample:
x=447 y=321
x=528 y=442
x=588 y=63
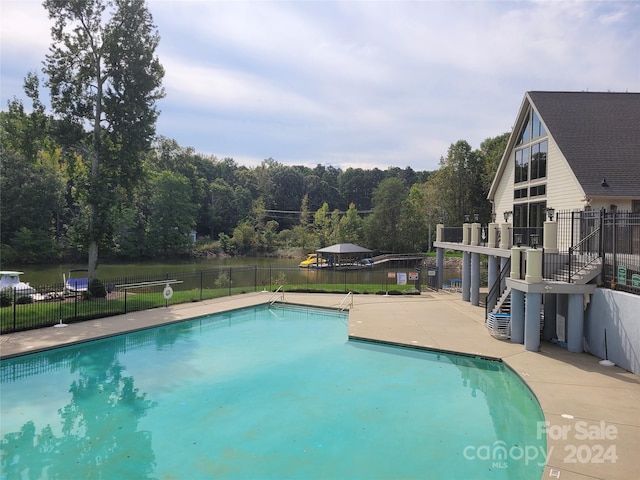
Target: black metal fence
x=52 y=305
x=597 y=237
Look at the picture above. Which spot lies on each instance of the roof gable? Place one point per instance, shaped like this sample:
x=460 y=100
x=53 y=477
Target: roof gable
x=598 y=135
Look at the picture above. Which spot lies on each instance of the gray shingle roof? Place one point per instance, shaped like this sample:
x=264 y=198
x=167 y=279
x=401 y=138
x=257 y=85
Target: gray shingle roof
x=599 y=135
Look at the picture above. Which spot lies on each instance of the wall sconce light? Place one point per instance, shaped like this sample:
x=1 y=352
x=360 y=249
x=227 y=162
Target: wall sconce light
x=604 y=183
x=550 y=213
x=507 y=214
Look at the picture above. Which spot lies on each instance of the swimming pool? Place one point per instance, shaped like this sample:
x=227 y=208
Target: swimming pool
x=264 y=392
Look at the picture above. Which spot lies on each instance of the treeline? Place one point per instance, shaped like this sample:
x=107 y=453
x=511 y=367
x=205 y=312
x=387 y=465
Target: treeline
x=45 y=199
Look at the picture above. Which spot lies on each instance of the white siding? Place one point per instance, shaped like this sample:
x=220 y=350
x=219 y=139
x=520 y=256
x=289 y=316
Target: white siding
x=503 y=199
x=563 y=190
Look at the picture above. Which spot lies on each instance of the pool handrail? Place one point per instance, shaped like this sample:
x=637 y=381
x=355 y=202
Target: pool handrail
x=274 y=297
x=342 y=306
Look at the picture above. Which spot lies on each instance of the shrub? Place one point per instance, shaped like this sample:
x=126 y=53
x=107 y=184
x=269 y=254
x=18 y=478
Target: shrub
x=223 y=280
x=6 y=298
x=24 y=300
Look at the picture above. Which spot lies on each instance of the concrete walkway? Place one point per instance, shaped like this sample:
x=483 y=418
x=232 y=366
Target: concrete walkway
x=593 y=412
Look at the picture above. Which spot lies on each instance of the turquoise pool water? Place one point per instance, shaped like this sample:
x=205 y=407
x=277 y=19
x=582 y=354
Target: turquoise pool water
x=264 y=393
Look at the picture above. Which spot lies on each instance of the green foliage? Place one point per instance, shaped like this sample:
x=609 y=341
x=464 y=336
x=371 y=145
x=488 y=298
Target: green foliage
x=245 y=239
x=147 y=198
x=6 y=297
x=383 y=226
x=171 y=215
x=24 y=300
x=225 y=242
x=102 y=71
x=281 y=278
x=223 y=280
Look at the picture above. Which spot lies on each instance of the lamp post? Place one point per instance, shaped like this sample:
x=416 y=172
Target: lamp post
x=550 y=213
x=518 y=238
x=535 y=240
x=507 y=214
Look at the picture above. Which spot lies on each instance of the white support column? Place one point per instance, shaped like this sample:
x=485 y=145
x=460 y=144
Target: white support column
x=532 y=322
x=575 y=323
x=475 y=279
x=466 y=276
x=517 y=316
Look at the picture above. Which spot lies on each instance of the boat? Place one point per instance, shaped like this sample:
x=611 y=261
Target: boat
x=314 y=260
x=11 y=280
x=77 y=282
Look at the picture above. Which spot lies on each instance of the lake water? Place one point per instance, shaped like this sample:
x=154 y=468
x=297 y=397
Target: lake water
x=51 y=274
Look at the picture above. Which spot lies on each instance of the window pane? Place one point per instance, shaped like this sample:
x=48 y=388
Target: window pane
x=525 y=133
x=520 y=216
x=542 y=159
x=538 y=128
x=535 y=149
x=525 y=163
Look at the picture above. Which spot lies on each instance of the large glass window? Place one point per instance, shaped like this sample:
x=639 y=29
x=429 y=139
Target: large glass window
x=525 y=133
x=522 y=165
x=520 y=215
x=537 y=129
x=539 y=160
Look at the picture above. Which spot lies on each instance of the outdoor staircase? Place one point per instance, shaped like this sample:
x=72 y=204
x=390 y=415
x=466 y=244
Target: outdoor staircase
x=503 y=305
x=580 y=273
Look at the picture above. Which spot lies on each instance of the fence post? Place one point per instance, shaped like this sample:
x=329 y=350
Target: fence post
x=201 y=284
x=614 y=246
x=230 y=281
x=14 y=309
x=255 y=278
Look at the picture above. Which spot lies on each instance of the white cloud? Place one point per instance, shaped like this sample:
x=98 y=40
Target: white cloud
x=360 y=83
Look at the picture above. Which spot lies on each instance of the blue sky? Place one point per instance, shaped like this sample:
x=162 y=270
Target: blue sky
x=357 y=83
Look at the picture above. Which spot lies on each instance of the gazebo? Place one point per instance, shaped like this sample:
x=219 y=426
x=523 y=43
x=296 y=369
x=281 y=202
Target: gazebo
x=339 y=251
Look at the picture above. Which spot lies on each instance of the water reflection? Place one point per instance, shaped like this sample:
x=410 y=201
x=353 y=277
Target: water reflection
x=97 y=434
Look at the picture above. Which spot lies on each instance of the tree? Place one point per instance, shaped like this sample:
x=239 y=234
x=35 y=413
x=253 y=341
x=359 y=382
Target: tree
x=414 y=224
x=103 y=72
x=383 y=226
x=351 y=226
x=322 y=225
x=172 y=214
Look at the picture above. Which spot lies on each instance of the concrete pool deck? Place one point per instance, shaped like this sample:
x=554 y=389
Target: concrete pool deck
x=593 y=412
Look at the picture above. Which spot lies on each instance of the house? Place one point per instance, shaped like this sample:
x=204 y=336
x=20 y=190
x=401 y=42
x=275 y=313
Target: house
x=570 y=151
x=572 y=162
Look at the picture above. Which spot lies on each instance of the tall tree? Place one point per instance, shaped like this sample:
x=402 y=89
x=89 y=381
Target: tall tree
x=351 y=230
x=172 y=214
x=383 y=226
x=103 y=72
